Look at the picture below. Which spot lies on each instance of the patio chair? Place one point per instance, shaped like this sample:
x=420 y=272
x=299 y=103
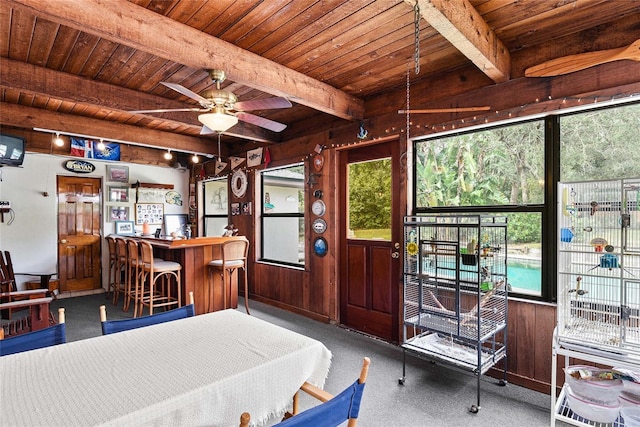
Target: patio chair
x=114 y=326
x=47 y=337
x=332 y=412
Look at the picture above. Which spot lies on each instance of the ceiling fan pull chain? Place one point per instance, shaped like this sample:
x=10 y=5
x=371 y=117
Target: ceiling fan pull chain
x=416 y=22
x=219 y=158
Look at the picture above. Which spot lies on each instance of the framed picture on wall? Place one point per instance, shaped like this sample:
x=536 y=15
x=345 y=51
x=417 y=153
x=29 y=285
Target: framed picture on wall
x=152 y=213
x=116 y=173
x=118 y=213
x=124 y=228
x=118 y=194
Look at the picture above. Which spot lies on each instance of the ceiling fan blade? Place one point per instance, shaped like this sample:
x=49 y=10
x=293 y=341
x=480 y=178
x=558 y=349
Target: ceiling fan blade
x=186 y=92
x=445 y=110
x=260 y=121
x=580 y=61
x=169 y=110
x=263 y=104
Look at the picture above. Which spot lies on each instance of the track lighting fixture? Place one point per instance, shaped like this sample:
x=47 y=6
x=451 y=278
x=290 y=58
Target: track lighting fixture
x=58 y=141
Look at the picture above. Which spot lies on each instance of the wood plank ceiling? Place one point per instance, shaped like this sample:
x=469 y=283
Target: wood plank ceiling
x=78 y=66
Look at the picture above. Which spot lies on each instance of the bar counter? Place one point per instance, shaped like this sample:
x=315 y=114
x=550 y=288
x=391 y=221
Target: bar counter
x=194 y=255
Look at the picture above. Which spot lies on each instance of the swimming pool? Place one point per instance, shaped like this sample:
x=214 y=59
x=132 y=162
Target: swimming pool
x=524 y=275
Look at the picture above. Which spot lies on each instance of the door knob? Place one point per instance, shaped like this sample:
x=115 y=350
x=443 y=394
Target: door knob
x=63 y=241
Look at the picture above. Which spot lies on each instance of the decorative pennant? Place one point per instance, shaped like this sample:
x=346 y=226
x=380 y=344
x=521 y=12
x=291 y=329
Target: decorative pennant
x=267 y=157
x=220 y=166
x=235 y=161
x=254 y=157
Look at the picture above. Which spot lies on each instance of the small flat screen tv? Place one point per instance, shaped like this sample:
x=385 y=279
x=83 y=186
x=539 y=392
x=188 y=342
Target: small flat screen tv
x=11 y=150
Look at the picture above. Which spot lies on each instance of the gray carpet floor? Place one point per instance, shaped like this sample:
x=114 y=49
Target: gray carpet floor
x=432 y=395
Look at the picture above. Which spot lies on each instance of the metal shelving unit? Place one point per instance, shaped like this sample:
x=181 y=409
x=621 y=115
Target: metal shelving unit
x=455 y=291
x=598 y=281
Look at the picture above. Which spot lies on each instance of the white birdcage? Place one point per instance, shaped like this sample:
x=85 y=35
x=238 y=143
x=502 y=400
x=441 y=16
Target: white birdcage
x=599 y=265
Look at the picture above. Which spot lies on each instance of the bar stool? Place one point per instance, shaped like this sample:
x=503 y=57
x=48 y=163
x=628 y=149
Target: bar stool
x=134 y=267
x=113 y=262
x=234 y=257
x=120 y=269
x=155 y=287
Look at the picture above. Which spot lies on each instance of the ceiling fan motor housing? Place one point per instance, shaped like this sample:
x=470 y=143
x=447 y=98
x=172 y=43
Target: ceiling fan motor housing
x=220 y=97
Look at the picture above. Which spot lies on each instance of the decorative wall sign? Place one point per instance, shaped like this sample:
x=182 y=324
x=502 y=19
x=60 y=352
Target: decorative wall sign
x=239 y=183
x=151 y=213
x=173 y=198
x=320 y=246
x=318 y=162
x=79 y=166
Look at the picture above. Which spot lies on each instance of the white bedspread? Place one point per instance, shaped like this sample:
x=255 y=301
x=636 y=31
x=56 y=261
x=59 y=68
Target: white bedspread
x=203 y=370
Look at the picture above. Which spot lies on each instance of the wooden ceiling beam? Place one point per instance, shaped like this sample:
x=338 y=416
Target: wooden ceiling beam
x=29 y=117
x=126 y=23
x=460 y=23
x=41 y=81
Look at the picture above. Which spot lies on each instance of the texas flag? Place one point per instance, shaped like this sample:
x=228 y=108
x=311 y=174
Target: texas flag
x=88 y=149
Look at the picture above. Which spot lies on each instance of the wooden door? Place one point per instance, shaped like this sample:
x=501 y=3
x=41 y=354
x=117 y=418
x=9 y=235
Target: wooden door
x=79 y=244
x=370 y=264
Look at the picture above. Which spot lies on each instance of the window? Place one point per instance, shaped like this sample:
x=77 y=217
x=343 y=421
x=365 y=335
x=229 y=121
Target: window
x=497 y=171
x=369 y=196
x=600 y=144
x=216 y=206
x=282 y=208
x=502 y=170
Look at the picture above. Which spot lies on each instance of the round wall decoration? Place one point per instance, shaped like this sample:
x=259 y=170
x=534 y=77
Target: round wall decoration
x=318 y=162
x=318 y=207
x=320 y=246
x=319 y=225
x=239 y=183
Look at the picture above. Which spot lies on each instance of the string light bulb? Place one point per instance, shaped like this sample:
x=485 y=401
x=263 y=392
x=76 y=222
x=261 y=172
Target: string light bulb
x=58 y=141
x=168 y=155
x=101 y=145
x=195 y=158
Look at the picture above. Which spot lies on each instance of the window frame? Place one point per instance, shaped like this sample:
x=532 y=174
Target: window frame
x=548 y=209
x=206 y=216
x=265 y=215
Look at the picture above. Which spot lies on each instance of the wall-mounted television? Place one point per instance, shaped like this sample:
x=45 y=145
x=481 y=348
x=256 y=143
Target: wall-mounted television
x=11 y=150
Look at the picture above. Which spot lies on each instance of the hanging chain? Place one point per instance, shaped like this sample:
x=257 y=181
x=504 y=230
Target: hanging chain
x=416 y=42
x=407 y=110
x=219 y=158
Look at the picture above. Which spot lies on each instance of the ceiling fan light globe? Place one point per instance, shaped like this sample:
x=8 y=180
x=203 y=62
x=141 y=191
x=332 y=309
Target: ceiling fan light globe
x=218 y=122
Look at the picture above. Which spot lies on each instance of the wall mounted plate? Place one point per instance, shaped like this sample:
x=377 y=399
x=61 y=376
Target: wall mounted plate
x=318 y=208
x=319 y=225
x=320 y=246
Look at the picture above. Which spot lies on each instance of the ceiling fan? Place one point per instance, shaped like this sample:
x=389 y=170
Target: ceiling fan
x=580 y=61
x=222 y=109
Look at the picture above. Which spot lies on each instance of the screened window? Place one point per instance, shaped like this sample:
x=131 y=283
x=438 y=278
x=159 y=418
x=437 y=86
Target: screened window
x=216 y=206
x=282 y=208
